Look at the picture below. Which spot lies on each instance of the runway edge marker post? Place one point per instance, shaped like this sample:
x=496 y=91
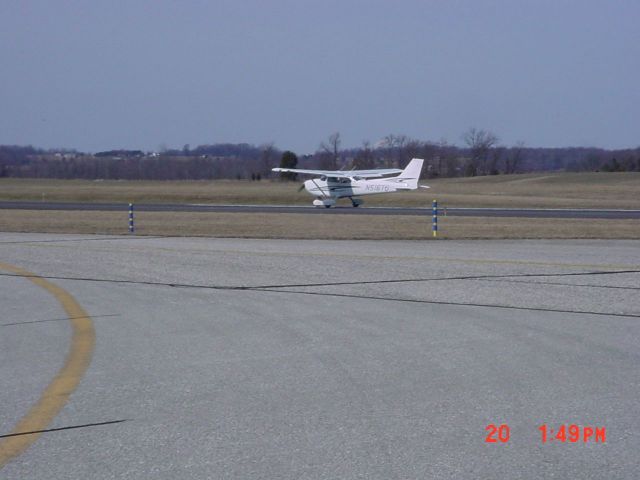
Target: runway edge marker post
x=434 y=224
x=131 y=226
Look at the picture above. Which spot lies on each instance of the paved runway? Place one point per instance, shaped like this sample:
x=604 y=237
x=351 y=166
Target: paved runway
x=242 y=359
x=465 y=212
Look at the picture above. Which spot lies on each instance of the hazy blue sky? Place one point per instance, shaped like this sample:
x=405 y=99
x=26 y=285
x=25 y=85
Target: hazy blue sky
x=96 y=75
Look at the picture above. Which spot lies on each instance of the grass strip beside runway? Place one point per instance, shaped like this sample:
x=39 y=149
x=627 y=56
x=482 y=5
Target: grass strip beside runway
x=370 y=227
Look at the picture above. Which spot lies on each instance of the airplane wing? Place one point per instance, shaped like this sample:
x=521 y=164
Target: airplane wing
x=343 y=173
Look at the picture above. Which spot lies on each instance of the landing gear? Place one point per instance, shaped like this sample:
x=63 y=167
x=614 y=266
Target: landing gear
x=324 y=202
x=356 y=202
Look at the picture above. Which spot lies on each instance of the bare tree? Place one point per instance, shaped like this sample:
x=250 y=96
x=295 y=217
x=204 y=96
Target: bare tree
x=268 y=157
x=447 y=160
x=396 y=146
x=411 y=149
x=330 y=152
x=364 y=159
x=429 y=152
x=495 y=160
x=514 y=158
x=480 y=142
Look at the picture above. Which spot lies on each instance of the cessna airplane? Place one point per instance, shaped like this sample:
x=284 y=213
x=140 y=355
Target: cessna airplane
x=335 y=184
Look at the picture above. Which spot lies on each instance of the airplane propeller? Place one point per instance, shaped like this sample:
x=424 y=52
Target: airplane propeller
x=301 y=187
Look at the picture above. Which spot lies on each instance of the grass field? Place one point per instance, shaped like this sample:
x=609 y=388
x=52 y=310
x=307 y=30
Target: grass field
x=249 y=225
x=555 y=190
x=558 y=190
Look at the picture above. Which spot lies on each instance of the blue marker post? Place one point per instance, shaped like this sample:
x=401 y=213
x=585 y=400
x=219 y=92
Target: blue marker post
x=131 y=227
x=434 y=226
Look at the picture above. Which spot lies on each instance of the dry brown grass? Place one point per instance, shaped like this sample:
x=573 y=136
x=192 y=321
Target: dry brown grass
x=556 y=190
x=249 y=225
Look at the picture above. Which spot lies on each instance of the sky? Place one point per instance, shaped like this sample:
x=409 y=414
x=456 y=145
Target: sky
x=98 y=75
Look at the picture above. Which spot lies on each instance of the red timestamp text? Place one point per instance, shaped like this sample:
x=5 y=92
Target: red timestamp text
x=573 y=433
x=497 y=433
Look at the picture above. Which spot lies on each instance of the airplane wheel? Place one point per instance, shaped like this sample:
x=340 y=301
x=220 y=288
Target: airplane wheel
x=356 y=205
x=327 y=206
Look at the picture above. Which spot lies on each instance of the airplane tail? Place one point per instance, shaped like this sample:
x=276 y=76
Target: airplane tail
x=411 y=174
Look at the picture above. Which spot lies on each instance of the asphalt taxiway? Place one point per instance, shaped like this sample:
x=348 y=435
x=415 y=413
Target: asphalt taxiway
x=227 y=358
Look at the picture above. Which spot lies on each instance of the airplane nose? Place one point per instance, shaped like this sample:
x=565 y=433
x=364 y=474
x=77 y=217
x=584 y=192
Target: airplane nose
x=309 y=186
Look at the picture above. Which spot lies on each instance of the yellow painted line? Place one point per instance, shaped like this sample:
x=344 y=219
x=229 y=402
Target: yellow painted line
x=55 y=396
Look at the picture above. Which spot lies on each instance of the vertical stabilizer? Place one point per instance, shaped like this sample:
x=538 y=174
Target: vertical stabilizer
x=411 y=173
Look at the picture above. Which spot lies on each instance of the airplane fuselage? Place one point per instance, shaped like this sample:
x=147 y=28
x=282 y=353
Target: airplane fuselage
x=332 y=187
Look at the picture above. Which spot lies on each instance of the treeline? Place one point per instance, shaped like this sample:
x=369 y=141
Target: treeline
x=482 y=154
x=238 y=162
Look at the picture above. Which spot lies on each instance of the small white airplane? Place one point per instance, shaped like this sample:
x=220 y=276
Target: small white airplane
x=335 y=184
